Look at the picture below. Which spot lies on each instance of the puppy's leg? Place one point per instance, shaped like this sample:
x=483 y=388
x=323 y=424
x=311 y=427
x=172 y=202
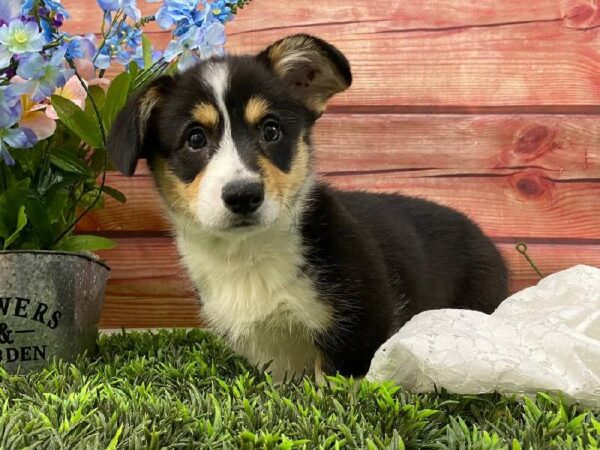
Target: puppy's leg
x=319 y=375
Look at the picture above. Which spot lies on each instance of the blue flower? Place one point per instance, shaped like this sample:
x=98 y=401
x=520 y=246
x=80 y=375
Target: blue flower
x=102 y=60
x=44 y=77
x=47 y=29
x=54 y=7
x=15 y=138
x=111 y=52
x=27 y=7
x=21 y=37
x=9 y=9
x=221 y=10
x=129 y=6
x=213 y=40
x=80 y=47
x=196 y=43
x=138 y=57
x=57 y=8
x=121 y=46
x=184 y=47
x=175 y=11
x=10 y=104
x=5 y=56
x=10 y=113
x=129 y=36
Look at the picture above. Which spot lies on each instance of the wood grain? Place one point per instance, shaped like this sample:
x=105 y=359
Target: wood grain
x=374 y=142
x=441 y=53
x=424 y=14
x=148 y=288
x=86 y=16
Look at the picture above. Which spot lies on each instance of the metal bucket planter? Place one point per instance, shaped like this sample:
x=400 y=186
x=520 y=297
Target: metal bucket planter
x=50 y=304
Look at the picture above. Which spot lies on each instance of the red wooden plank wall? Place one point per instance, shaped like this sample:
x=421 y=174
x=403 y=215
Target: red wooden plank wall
x=489 y=106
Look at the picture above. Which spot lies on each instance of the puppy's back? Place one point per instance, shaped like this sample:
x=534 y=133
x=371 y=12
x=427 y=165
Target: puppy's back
x=435 y=256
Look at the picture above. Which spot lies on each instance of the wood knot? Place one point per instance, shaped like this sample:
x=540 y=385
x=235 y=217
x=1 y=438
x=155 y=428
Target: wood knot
x=581 y=15
x=531 y=185
x=534 y=142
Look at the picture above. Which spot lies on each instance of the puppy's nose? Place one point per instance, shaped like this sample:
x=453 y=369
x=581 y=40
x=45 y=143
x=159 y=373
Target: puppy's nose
x=243 y=197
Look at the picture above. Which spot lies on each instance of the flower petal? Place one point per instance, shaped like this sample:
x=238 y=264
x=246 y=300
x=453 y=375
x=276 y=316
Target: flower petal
x=188 y=59
x=8 y=159
x=173 y=50
x=102 y=61
x=9 y=9
x=74 y=91
x=20 y=137
x=5 y=56
x=42 y=125
x=85 y=68
x=215 y=34
x=31 y=66
x=104 y=83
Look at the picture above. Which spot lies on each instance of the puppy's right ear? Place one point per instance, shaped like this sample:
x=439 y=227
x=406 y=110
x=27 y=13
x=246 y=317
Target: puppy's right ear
x=126 y=138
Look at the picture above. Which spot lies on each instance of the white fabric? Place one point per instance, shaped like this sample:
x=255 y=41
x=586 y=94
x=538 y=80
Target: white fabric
x=544 y=338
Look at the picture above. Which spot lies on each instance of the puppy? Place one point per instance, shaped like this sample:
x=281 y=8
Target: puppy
x=289 y=270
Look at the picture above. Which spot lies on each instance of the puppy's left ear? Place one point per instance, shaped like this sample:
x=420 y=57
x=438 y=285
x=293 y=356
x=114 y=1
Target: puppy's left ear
x=313 y=69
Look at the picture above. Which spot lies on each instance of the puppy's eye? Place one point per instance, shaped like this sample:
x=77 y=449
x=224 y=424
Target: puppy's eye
x=271 y=131
x=196 y=138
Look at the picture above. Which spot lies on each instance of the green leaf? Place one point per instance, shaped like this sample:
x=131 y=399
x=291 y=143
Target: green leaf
x=11 y=201
x=101 y=161
x=84 y=242
x=596 y=425
x=115 y=98
x=577 y=421
x=98 y=94
x=69 y=162
x=146 y=51
x=21 y=222
x=516 y=445
x=133 y=69
x=47 y=217
x=115 y=440
x=114 y=193
x=77 y=121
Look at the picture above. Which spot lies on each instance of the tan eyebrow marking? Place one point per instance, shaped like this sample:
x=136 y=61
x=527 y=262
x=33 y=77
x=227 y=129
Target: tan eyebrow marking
x=206 y=114
x=256 y=108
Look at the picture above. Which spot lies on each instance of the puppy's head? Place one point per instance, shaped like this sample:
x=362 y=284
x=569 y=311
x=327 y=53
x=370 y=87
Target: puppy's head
x=228 y=140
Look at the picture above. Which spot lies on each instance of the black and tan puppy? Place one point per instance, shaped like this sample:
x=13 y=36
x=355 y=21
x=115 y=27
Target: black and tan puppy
x=288 y=269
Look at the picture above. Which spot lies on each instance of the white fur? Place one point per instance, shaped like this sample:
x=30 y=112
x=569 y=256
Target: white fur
x=225 y=166
x=255 y=295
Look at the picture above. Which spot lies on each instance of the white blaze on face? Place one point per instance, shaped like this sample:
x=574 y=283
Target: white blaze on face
x=226 y=165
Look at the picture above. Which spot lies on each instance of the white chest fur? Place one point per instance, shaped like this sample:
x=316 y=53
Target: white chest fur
x=255 y=295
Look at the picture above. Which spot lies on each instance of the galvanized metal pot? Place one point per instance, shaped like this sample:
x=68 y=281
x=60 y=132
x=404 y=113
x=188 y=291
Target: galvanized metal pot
x=50 y=304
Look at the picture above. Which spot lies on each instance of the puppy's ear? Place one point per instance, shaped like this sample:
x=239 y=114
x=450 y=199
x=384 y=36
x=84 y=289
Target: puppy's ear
x=127 y=136
x=313 y=69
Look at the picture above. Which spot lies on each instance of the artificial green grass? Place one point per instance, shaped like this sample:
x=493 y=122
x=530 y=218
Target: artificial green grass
x=187 y=390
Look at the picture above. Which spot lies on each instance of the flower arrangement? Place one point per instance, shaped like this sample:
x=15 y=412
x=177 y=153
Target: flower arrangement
x=56 y=105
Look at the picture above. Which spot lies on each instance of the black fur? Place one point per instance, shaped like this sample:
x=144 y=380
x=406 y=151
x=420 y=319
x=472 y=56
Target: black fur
x=390 y=257
x=129 y=135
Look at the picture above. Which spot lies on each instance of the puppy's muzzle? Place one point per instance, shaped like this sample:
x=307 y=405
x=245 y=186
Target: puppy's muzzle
x=243 y=196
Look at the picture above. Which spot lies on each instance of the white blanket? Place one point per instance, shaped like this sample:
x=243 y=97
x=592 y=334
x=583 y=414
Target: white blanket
x=544 y=338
